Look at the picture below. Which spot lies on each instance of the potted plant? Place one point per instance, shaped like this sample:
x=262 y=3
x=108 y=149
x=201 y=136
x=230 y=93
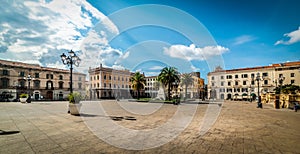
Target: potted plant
x=74 y=103
x=23 y=98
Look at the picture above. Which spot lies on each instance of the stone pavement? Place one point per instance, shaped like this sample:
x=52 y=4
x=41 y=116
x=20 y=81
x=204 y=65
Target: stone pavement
x=45 y=127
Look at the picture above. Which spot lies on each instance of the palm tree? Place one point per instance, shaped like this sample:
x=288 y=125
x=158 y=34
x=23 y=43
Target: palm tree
x=186 y=80
x=138 y=82
x=167 y=76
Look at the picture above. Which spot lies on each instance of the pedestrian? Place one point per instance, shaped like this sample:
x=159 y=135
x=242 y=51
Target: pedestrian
x=296 y=106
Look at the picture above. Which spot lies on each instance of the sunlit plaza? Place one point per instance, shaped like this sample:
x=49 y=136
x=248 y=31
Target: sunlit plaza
x=138 y=127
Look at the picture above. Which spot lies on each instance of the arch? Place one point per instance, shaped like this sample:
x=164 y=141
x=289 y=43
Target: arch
x=49 y=95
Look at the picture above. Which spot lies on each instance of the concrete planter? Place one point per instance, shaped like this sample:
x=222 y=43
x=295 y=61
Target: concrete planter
x=23 y=100
x=74 y=108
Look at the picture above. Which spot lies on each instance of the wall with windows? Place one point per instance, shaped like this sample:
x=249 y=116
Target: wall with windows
x=45 y=83
x=242 y=83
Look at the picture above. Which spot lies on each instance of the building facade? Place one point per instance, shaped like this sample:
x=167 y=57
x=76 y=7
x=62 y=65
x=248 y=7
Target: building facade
x=109 y=83
x=44 y=84
x=243 y=84
x=151 y=87
x=195 y=90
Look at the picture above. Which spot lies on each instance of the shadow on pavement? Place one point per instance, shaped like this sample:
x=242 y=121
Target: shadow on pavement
x=2 y=132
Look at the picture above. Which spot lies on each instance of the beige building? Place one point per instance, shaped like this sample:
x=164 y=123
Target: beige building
x=45 y=83
x=109 y=83
x=151 y=86
x=242 y=84
x=196 y=89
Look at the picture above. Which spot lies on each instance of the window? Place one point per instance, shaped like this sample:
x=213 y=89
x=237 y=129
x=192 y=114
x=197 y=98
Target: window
x=22 y=83
x=292 y=81
x=252 y=82
x=22 y=74
x=280 y=75
x=244 y=75
x=109 y=77
x=212 y=84
x=222 y=77
x=229 y=83
x=122 y=79
x=98 y=85
x=229 y=77
x=236 y=83
x=49 y=76
x=236 y=76
x=244 y=82
x=104 y=85
x=104 y=77
x=265 y=74
x=222 y=83
x=212 y=78
x=61 y=77
x=79 y=85
x=292 y=74
x=37 y=75
x=60 y=85
x=36 y=84
x=252 y=75
x=5 y=72
x=4 y=82
x=265 y=81
x=79 y=78
x=97 y=77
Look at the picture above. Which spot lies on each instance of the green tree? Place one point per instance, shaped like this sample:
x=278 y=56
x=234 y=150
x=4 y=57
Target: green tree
x=186 y=80
x=287 y=89
x=167 y=76
x=138 y=82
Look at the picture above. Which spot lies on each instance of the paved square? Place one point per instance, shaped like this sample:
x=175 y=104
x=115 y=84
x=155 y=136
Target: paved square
x=45 y=127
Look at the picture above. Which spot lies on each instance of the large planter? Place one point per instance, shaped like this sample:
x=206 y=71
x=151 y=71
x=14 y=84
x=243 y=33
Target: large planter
x=23 y=100
x=74 y=108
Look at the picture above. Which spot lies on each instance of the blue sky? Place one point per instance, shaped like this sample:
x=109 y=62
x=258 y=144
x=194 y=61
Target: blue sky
x=148 y=35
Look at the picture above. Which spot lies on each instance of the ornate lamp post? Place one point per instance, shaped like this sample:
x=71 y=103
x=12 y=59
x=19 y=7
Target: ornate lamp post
x=70 y=60
x=258 y=78
x=28 y=78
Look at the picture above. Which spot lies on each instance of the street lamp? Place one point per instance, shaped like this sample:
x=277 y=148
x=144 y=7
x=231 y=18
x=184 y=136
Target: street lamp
x=28 y=78
x=70 y=60
x=258 y=78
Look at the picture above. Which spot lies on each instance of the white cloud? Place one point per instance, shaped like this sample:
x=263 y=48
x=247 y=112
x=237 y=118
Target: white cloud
x=243 y=39
x=156 y=68
x=44 y=29
x=291 y=37
x=194 y=53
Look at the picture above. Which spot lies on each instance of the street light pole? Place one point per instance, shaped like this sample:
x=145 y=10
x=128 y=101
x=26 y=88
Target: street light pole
x=29 y=94
x=70 y=60
x=259 y=104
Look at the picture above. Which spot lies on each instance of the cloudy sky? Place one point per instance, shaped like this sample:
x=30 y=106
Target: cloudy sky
x=148 y=35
